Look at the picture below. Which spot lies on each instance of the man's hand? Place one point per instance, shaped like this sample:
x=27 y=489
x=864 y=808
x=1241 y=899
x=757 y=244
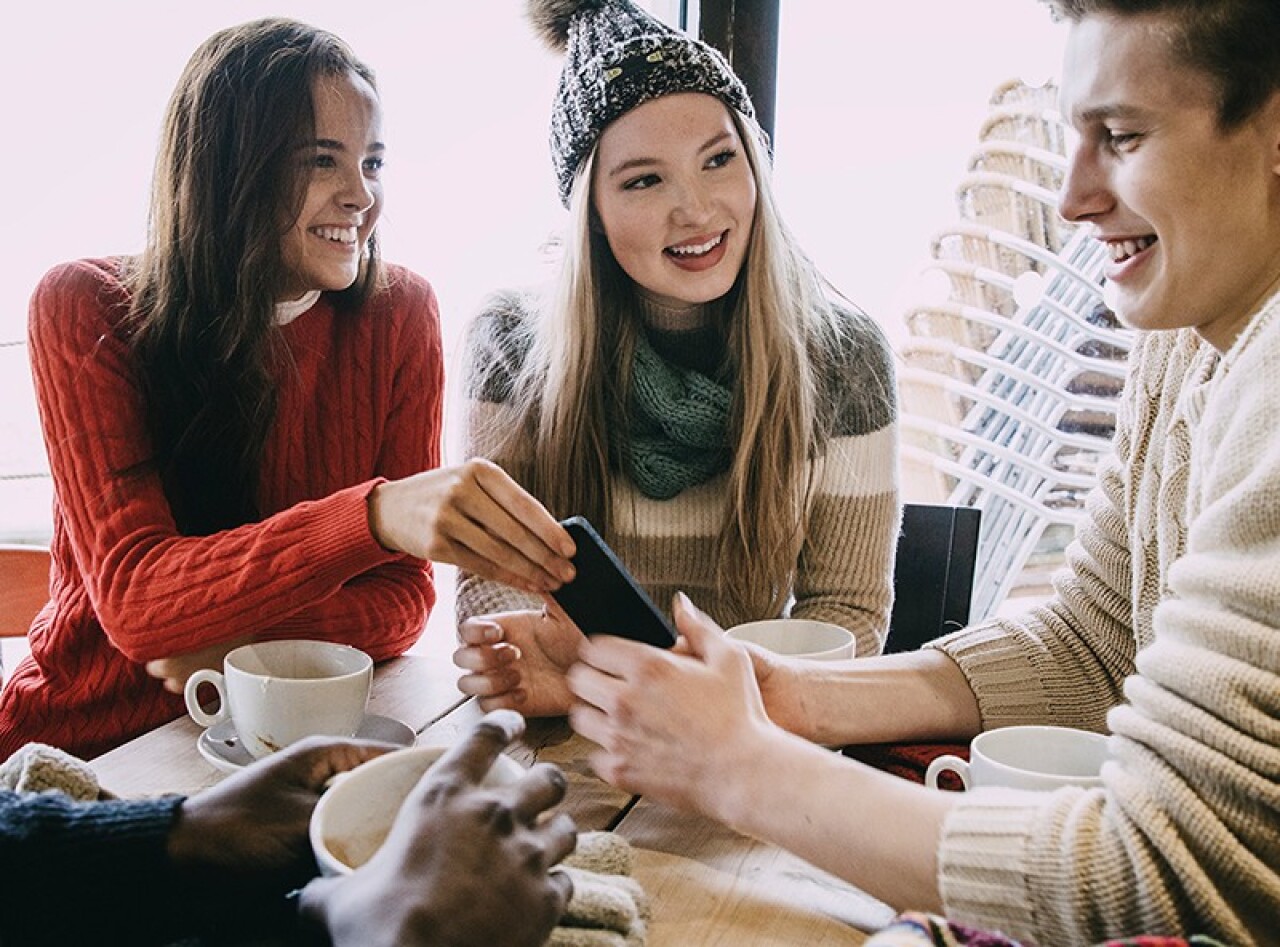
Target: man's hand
x=465 y=865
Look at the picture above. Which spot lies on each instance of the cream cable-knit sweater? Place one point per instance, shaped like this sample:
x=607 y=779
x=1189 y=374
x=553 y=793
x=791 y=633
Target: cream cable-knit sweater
x=1165 y=629
x=845 y=571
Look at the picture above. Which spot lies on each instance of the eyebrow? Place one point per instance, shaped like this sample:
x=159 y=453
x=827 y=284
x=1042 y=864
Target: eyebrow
x=1101 y=113
x=334 y=145
x=632 y=163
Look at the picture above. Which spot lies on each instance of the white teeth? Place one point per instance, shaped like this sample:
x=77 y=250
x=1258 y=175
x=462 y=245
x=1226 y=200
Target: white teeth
x=1121 y=250
x=336 y=234
x=697 y=250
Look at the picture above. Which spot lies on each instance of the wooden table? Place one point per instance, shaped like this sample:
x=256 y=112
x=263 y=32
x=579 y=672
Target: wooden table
x=707 y=884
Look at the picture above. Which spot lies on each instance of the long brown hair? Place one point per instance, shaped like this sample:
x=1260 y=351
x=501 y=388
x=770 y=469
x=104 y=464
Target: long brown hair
x=778 y=321
x=225 y=189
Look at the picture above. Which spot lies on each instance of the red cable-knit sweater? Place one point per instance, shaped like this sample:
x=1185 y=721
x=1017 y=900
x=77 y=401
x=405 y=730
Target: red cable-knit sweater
x=359 y=399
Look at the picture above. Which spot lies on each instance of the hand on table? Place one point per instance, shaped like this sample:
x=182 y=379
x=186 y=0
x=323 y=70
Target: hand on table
x=464 y=865
x=255 y=821
x=519 y=660
x=175 y=670
x=476 y=517
x=674 y=725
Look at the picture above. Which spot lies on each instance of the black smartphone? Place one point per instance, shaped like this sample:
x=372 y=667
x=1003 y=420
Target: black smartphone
x=603 y=598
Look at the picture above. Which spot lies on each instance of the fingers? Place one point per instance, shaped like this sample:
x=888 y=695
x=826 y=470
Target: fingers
x=470 y=759
x=562 y=885
x=491 y=686
x=526 y=509
x=479 y=631
x=699 y=630
x=511 y=530
x=562 y=836
x=542 y=787
x=316 y=760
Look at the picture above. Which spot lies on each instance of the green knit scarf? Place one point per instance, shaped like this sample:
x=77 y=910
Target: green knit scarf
x=679 y=426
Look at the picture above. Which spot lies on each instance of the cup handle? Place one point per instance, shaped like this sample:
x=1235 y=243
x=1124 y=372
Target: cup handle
x=198 y=714
x=941 y=765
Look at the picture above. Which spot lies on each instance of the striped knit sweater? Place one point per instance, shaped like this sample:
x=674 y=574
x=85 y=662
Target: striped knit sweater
x=845 y=568
x=1165 y=629
x=359 y=399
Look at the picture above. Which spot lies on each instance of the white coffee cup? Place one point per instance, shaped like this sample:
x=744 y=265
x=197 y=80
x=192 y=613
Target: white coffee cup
x=1027 y=757
x=277 y=692
x=797 y=638
x=353 y=817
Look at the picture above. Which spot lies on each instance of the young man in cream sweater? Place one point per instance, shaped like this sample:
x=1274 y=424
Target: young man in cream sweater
x=1165 y=627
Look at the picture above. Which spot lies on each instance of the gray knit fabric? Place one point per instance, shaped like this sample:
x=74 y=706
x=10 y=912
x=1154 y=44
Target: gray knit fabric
x=616 y=57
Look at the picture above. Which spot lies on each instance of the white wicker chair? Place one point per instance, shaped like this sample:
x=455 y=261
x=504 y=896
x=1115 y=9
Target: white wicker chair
x=1015 y=426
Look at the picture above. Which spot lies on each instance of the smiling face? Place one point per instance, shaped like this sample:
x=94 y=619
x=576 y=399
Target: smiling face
x=342 y=169
x=676 y=197
x=1189 y=211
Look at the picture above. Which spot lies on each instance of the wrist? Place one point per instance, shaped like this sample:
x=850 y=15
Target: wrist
x=183 y=845
x=741 y=785
x=375 y=502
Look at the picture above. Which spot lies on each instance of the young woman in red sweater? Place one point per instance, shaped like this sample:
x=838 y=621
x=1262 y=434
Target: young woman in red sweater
x=243 y=422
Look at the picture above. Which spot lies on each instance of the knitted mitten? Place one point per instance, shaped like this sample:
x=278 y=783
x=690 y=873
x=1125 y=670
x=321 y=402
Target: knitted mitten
x=37 y=767
x=608 y=907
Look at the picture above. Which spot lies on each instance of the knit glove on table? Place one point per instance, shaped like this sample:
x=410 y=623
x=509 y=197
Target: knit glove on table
x=37 y=767
x=608 y=907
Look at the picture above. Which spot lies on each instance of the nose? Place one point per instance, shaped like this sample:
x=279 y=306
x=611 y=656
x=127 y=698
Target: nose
x=357 y=192
x=693 y=204
x=1085 y=193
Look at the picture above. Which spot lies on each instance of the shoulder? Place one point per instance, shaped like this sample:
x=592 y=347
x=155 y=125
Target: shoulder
x=1258 y=347
x=498 y=341
x=406 y=294
x=404 y=305
x=98 y=280
x=855 y=367
x=88 y=293
x=505 y=315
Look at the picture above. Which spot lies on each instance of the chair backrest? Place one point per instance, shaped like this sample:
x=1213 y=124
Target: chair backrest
x=932 y=573
x=24 y=587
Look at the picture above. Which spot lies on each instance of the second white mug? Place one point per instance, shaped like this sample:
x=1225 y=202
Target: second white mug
x=1027 y=757
x=797 y=638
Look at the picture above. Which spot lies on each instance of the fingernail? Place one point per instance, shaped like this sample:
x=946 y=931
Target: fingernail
x=492 y=633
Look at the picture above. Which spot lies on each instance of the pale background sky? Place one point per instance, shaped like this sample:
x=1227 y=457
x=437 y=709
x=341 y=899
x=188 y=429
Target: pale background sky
x=879 y=108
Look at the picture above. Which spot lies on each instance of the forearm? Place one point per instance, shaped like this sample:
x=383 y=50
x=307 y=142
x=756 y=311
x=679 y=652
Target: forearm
x=382 y=611
x=876 y=831
x=103 y=852
x=916 y=696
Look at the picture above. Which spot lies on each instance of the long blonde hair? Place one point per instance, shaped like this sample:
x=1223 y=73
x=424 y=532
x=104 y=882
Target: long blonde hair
x=569 y=394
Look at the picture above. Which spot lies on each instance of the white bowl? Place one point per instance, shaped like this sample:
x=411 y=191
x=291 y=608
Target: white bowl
x=353 y=817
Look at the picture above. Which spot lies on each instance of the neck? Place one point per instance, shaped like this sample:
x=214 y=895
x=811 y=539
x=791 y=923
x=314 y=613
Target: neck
x=669 y=317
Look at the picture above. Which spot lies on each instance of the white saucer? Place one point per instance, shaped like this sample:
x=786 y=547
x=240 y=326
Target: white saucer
x=222 y=748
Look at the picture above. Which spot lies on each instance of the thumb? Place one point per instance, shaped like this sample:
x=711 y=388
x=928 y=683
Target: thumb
x=699 y=630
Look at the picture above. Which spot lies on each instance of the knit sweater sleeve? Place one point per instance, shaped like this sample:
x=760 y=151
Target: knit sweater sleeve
x=383 y=609
x=1184 y=836
x=156 y=592
x=845 y=571
x=494 y=353
x=99 y=873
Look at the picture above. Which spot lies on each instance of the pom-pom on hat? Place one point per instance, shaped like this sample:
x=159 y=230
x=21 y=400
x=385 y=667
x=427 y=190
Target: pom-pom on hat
x=616 y=57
